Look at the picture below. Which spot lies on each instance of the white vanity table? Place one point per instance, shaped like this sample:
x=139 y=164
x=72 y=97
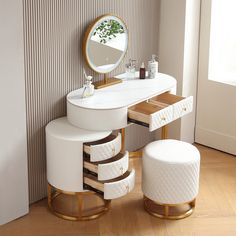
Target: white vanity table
x=83 y=155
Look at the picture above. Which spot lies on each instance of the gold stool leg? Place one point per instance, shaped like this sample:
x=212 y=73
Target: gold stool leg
x=166 y=210
x=148 y=204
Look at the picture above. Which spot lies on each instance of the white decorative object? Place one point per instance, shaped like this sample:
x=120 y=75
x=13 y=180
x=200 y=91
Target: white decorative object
x=170 y=171
x=88 y=89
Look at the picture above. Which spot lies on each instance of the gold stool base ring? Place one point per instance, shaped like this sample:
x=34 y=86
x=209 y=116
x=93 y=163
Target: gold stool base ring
x=148 y=205
x=53 y=193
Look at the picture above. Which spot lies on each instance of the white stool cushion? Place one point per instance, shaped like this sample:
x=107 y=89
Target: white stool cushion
x=170 y=171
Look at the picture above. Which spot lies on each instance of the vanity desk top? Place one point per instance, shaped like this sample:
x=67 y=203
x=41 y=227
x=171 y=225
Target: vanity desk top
x=125 y=94
x=149 y=102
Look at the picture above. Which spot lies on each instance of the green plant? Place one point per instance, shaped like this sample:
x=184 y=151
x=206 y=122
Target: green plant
x=108 y=29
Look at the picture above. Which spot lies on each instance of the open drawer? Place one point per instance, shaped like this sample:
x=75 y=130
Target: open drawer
x=103 y=149
x=181 y=105
x=150 y=115
x=109 y=169
x=114 y=188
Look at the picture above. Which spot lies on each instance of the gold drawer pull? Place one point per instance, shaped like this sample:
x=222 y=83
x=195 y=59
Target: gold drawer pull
x=163 y=118
x=184 y=109
x=113 y=150
x=127 y=188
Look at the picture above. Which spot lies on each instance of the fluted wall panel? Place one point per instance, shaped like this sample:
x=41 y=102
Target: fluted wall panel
x=53 y=33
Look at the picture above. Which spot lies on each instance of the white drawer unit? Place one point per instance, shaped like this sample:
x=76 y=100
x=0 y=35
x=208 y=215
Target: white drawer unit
x=103 y=149
x=114 y=188
x=150 y=115
x=181 y=105
x=160 y=110
x=111 y=168
x=107 y=108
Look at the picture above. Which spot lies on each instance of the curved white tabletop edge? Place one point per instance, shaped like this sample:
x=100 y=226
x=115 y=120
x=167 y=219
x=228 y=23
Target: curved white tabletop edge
x=125 y=94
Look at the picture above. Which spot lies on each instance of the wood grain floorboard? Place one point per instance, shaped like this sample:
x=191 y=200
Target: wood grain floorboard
x=215 y=213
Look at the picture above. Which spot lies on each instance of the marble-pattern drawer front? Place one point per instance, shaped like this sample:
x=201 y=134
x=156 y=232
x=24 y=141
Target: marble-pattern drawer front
x=103 y=149
x=111 y=168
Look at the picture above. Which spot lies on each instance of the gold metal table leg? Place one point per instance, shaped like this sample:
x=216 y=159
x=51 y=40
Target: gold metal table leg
x=122 y=139
x=137 y=153
x=164 y=132
x=82 y=215
x=80 y=204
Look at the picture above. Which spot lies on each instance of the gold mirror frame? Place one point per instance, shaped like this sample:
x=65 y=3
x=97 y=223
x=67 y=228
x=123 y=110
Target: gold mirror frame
x=106 y=81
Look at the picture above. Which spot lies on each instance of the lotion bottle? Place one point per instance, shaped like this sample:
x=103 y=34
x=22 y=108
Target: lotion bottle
x=152 y=67
x=142 y=71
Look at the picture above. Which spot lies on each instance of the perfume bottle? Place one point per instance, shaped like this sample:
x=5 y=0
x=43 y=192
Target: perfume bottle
x=88 y=86
x=130 y=69
x=142 y=71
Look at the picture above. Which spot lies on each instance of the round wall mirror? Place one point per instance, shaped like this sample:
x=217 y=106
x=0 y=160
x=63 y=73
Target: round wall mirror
x=105 y=43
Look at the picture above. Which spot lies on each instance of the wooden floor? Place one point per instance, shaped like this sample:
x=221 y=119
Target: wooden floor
x=215 y=213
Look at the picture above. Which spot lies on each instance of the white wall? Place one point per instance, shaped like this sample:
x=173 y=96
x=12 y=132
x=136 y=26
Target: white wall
x=13 y=155
x=178 y=55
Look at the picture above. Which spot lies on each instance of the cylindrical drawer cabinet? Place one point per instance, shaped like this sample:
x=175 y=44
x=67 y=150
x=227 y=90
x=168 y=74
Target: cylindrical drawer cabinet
x=82 y=162
x=64 y=145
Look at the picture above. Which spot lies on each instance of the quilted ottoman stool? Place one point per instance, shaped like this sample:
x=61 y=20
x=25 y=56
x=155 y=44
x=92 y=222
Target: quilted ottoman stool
x=170 y=178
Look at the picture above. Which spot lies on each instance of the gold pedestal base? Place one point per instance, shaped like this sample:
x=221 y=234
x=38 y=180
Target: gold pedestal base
x=106 y=82
x=82 y=214
x=149 y=206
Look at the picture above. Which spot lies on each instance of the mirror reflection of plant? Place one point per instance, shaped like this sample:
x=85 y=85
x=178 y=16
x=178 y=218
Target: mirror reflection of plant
x=108 y=29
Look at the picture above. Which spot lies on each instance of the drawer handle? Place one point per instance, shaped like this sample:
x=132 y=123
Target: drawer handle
x=184 y=109
x=127 y=188
x=113 y=150
x=163 y=118
x=121 y=170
